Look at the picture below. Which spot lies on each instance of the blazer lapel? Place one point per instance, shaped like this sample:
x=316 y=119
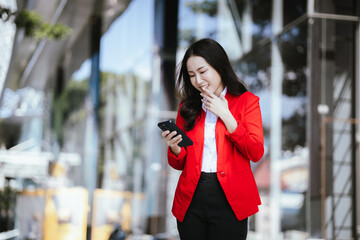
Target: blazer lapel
x=199 y=137
x=220 y=130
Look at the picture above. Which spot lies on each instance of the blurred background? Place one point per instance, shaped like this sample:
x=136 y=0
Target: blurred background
x=83 y=84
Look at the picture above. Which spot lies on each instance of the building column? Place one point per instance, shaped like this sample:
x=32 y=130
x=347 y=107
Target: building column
x=356 y=171
x=162 y=106
x=91 y=148
x=277 y=72
x=313 y=134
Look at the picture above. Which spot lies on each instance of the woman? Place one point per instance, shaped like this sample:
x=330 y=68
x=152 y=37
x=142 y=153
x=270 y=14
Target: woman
x=216 y=192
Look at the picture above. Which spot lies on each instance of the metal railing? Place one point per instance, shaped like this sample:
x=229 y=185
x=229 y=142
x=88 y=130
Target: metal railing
x=333 y=202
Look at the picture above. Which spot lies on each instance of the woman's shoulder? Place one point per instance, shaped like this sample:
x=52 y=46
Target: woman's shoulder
x=245 y=96
x=250 y=95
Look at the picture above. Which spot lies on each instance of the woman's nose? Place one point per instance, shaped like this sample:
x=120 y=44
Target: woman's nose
x=198 y=79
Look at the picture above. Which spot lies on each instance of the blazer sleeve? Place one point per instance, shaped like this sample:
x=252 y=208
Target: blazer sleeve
x=248 y=136
x=178 y=162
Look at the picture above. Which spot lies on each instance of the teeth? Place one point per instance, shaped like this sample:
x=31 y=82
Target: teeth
x=203 y=88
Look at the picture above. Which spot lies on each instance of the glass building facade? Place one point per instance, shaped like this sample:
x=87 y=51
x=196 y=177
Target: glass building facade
x=102 y=96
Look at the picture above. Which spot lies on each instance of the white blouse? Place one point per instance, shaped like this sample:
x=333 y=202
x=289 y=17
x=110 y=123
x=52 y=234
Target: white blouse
x=209 y=161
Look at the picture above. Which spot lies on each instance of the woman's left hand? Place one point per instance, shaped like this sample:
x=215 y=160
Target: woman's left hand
x=219 y=106
x=216 y=105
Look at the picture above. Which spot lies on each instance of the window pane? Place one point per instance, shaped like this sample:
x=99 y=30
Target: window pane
x=335 y=71
x=293 y=52
x=197 y=19
x=254 y=17
x=262 y=19
x=342 y=7
x=294 y=9
x=126 y=76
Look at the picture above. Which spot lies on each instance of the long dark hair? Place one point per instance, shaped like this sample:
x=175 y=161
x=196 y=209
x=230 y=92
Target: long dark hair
x=216 y=57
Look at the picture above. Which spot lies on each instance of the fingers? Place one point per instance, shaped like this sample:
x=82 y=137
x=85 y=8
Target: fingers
x=165 y=133
x=207 y=94
x=175 y=141
x=170 y=138
x=205 y=98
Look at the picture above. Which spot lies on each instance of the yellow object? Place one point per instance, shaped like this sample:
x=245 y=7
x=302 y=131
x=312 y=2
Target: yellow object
x=68 y=231
x=102 y=232
x=126 y=216
x=50 y=220
x=57 y=170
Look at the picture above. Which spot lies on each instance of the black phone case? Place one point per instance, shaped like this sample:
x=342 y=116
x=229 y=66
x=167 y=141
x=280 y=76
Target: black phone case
x=171 y=126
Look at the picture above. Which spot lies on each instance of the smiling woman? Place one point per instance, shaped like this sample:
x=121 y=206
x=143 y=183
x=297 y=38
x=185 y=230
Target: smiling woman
x=224 y=121
x=203 y=76
x=217 y=75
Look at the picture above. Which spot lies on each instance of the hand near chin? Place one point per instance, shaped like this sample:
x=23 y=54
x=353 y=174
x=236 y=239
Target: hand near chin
x=216 y=105
x=219 y=106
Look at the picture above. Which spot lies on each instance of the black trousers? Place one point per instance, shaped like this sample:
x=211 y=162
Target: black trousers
x=210 y=216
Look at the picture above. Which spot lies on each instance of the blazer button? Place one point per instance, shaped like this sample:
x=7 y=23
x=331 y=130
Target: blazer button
x=222 y=174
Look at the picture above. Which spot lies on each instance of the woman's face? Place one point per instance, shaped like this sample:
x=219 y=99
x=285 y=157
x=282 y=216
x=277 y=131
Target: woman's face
x=203 y=76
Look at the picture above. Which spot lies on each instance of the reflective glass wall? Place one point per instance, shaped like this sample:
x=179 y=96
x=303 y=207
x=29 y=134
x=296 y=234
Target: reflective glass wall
x=333 y=103
x=294 y=175
x=313 y=77
x=334 y=59
x=126 y=53
x=345 y=7
x=301 y=66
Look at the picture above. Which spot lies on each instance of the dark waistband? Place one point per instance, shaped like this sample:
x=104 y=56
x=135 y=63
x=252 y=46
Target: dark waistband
x=208 y=176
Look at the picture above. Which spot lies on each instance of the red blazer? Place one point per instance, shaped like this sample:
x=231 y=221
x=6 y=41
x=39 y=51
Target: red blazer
x=234 y=152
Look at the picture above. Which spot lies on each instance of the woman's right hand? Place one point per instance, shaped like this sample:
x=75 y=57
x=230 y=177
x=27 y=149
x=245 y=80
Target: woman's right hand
x=172 y=141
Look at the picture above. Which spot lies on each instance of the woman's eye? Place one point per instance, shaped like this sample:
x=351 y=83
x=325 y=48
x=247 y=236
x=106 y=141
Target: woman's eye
x=191 y=76
x=202 y=72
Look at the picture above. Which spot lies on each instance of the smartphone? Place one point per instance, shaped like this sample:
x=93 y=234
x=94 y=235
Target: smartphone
x=171 y=126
